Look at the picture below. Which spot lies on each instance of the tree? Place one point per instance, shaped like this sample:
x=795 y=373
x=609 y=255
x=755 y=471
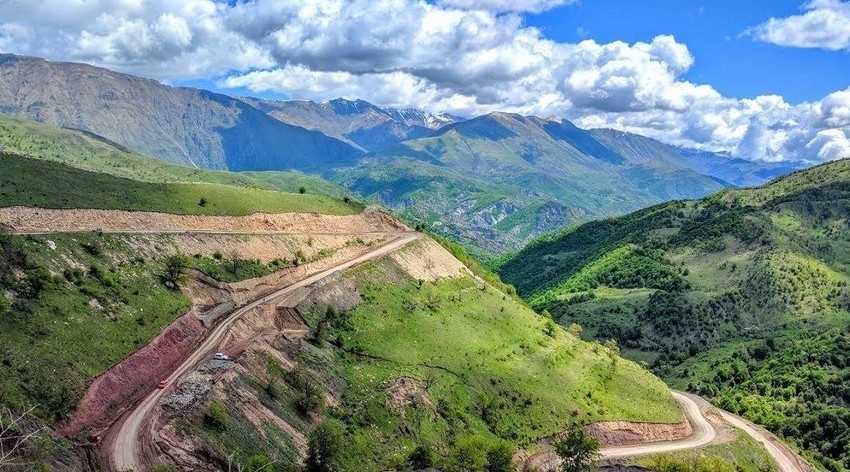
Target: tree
x=613 y=351
x=302 y=190
x=217 y=415
x=234 y=260
x=500 y=459
x=550 y=328
x=421 y=458
x=175 y=268
x=578 y=451
x=324 y=447
x=575 y=329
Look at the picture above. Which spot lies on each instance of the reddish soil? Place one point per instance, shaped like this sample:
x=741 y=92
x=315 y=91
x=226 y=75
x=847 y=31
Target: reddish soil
x=622 y=433
x=119 y=388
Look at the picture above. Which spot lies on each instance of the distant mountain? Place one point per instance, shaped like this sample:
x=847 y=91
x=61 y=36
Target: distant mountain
x=358 y=122
x=179 y=125
x=737 y=171
x=497 y=181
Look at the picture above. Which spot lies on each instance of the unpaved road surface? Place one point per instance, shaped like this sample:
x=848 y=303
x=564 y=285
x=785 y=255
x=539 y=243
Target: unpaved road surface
x=703 y=434
x=786 y=459
x=123 y=447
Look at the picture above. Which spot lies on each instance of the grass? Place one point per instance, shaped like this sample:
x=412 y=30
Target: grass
x=82 y=323
x=40 y=183
x=742 y=454
x=485 y=367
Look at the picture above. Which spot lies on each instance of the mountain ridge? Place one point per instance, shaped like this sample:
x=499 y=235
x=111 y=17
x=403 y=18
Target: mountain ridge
x=177 y=124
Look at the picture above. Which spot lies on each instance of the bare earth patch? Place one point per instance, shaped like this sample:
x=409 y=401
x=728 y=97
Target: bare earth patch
x=35 y=220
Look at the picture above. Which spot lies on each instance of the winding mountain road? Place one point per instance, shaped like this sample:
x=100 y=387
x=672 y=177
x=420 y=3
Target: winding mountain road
x=123 y=446
x=705 y=433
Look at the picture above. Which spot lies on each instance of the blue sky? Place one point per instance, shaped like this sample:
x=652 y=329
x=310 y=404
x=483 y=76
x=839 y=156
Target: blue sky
x=761 y=79
x=737 y=66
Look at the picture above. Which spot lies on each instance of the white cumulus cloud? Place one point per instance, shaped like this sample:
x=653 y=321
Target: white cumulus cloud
x=825 y=24
x=456 y=56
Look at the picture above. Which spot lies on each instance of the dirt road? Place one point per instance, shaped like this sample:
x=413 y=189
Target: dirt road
x=787 y=460
x=123 y=447
x=703 y=434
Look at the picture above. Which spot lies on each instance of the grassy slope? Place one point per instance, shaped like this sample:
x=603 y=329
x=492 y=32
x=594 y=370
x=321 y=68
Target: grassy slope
x=483 y=368
x=742 y=297
x=40 y=183
x=99 y=309
x=493 y=372
x=93 y=153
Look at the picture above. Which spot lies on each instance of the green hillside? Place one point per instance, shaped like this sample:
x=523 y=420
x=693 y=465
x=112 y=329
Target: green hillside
x=497 y=181
x=94 y=153
x=741 y=297
x=456 y=366
x=40 y=183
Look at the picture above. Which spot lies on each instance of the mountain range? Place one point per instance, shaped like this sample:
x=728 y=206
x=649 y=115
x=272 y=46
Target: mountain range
x=492 y=182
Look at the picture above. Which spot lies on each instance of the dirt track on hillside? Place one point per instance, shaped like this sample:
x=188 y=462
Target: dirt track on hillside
x=122 y=445
x=40 y=220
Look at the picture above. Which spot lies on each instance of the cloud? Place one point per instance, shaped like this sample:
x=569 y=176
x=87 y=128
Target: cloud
x=452 y=56
x=825 y=25
x=531 y=6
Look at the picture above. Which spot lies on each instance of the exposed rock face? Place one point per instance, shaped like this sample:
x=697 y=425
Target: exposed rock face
x=182 y=125
x=621 y=433
x=112 y=393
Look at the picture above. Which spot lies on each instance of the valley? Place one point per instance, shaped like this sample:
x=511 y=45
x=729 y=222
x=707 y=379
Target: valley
x=191 y=281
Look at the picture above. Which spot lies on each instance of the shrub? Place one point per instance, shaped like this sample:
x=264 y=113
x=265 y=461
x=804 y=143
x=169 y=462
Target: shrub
x=578 y=451
x=174 y=273
x=500 y=459
x=324 y=446
x=421 y=458
x=217 y=416
x=470 y=453
x=259 y=462
x=302 y=190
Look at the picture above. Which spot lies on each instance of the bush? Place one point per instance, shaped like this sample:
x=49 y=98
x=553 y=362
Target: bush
x=578 y=451
x=259 y=462
x=421 y=458
x=324 y=447
x=302 y=190
x=175 y=268
x=217 y=416
x=470 y=453
x=500 y=459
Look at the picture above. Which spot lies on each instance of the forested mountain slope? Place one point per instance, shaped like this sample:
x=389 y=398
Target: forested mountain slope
x=741 y=296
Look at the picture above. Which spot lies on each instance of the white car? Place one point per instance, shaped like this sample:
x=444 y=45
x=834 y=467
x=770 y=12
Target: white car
x=220 y=356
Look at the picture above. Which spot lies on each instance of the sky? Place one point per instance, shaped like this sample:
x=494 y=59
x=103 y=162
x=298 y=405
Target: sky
x=760 y=79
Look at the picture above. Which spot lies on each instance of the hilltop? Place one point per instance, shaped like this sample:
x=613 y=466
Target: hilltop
x=741 y=296
x=358 y=122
